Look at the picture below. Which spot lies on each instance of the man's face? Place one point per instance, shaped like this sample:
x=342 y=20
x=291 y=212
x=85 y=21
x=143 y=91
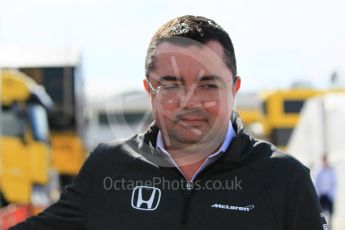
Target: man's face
x=195 y=94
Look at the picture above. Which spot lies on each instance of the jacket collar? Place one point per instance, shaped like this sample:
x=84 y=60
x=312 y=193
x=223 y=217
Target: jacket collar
x=242 y=150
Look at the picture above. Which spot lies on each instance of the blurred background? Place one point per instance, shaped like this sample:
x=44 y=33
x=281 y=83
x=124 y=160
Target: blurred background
x=71 y=77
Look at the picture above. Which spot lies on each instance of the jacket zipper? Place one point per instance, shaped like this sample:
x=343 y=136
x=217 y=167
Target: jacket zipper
x=187 y=195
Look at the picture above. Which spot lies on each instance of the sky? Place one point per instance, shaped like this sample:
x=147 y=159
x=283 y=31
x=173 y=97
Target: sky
x=276 y=42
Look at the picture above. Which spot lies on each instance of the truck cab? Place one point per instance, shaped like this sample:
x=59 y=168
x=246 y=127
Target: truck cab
x=25 y=149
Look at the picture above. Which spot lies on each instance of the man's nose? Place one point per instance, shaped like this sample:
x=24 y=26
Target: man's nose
x=190 y=98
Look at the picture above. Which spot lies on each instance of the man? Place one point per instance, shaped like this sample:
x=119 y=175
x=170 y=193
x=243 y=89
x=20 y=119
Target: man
x=325 y=184
x=195 y=167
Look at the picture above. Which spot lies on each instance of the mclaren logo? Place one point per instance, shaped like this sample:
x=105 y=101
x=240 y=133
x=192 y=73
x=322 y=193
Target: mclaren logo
x=232 y=207
x=146 y=198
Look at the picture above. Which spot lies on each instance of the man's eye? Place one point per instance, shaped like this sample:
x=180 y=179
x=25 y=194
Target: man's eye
x=209 y=86
x=170 y=87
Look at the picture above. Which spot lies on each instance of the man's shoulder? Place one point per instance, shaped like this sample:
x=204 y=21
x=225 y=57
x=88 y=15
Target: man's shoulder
x=280 y=171
x=287 y=168
x=287 y=161
x=119 y=150
x=115 y=157
x=261 y=151
x=276 y=160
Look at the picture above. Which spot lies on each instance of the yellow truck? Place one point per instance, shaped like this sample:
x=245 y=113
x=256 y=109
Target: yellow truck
x=281 y=111
x=59 y=72
x=25 y=150
x=63 y=82
x=273 y=114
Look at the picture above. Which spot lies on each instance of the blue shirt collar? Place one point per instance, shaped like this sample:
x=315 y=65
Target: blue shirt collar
x=210 y=159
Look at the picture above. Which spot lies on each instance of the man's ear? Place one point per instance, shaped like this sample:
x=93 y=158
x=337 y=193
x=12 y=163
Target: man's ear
x=237 y=84
x=146 y=86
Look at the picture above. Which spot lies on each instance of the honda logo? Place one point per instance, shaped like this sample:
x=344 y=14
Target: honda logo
x=146 y=198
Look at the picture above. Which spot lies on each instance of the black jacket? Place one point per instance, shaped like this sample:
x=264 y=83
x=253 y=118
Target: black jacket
x=127 y=185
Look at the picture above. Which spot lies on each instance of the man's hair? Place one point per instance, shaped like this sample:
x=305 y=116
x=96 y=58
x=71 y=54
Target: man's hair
x=192 y=28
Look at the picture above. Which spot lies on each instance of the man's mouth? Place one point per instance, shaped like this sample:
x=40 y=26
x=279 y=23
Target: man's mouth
x=191 y=120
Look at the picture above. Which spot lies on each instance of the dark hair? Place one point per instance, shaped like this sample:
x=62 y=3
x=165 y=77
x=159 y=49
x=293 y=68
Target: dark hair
x=194 y=28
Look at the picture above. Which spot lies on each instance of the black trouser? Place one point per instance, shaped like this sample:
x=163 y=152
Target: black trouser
x=326 y=203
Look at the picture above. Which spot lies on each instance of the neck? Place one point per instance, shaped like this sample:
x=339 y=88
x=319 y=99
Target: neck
x=190 y=162
x=190 y=170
